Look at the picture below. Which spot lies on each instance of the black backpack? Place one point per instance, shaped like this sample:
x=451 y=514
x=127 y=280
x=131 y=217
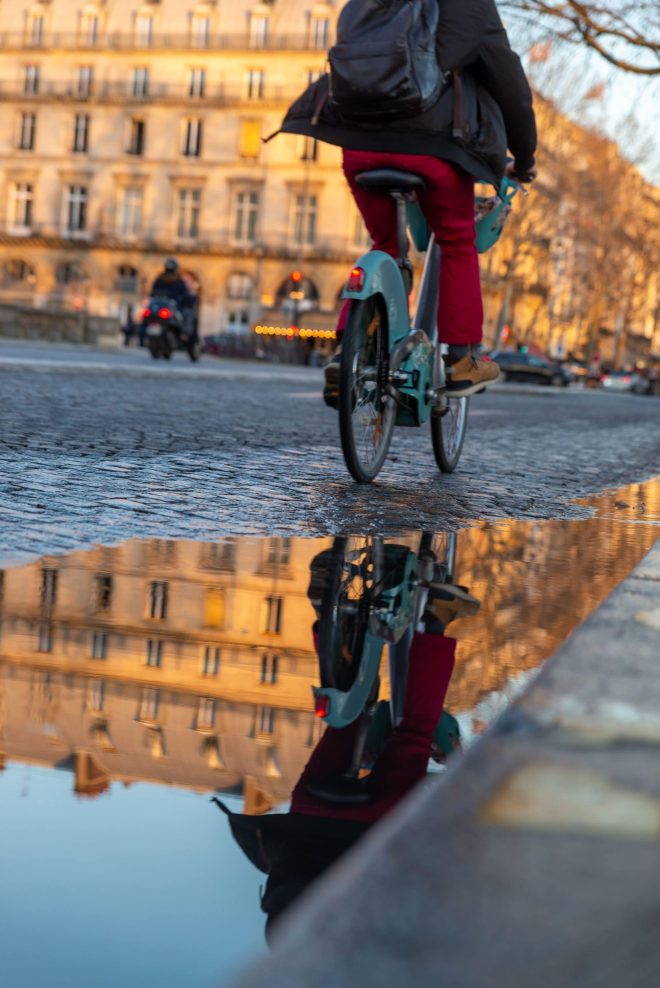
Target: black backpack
x=384 y=64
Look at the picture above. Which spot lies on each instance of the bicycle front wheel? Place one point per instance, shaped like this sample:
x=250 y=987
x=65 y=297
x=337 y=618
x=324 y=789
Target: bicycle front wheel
x=448 y=434
x=366 y=412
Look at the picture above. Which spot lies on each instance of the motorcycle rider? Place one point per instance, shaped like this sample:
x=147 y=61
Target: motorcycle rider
x=172 y=285
x=484 y=108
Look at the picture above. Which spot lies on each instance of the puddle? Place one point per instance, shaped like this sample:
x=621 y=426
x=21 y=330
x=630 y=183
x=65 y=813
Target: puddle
x=139 y=680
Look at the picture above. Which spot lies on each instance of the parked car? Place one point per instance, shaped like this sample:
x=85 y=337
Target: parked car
x=517 y=366
x=633 y=381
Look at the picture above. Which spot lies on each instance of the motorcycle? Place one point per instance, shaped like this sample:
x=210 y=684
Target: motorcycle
x=165 y=330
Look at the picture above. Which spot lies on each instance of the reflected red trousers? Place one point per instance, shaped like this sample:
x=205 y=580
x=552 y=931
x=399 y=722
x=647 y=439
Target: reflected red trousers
x=448 y=204
x=404 y=760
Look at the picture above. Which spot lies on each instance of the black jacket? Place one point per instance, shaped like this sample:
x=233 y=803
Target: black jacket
x=174 y=287
x=487 y=100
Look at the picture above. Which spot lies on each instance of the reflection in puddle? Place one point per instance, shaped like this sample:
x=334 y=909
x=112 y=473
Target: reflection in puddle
x=190 y=665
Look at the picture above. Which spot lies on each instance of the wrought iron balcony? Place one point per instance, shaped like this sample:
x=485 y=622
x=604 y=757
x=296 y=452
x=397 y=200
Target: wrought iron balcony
x=159 y=42
x=128 y=93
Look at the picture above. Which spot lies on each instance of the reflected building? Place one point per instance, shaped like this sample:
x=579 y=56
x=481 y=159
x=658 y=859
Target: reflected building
x=191 y=664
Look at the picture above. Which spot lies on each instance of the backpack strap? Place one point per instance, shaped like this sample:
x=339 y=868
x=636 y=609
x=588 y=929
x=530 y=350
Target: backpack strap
x=457 y=130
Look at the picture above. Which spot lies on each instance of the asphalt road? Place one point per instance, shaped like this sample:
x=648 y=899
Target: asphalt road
x=100 y=446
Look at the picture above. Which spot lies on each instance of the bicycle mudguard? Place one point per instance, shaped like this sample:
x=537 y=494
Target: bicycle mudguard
x=381 y=276
x=489 y=227
x=345 y=707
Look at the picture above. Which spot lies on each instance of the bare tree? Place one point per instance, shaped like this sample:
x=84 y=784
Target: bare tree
x=626 y=34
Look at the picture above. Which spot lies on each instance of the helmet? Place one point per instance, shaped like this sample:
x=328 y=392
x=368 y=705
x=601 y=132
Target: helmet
x=171 y=265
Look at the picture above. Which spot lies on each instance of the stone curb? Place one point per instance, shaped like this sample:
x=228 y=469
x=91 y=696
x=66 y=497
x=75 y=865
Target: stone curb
x=534 y=860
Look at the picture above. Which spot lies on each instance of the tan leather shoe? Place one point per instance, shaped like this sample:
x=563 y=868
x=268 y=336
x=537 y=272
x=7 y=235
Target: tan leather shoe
x=469 y=375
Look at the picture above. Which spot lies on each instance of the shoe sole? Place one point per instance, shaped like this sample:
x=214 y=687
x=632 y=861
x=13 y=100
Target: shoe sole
x=473 y=389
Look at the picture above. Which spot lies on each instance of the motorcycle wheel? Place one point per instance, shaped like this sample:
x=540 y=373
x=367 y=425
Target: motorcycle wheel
x=154 y=349
x=195 y=351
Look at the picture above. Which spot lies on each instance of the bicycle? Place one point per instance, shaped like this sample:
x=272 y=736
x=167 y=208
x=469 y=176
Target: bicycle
x=392 y=370
x=374 y=594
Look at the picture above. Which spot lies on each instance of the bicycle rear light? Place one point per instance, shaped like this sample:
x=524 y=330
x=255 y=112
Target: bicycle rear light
x=321 y=706
x=355 y=281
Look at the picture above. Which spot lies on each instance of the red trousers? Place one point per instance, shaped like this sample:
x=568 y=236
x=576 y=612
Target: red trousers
x=404 y=760
x=448 y=205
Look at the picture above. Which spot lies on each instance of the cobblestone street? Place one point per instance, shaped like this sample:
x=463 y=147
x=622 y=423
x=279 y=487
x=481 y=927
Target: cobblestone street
x=102 y=446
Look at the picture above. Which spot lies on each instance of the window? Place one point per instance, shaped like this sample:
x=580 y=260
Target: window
x=141 y=82
x=246 y=211
x=249 y=141
x=200 y=30
x=219 y=555
x=206 y=713
x=259 y=27
x=269 y=669
x=69 y=273
x=238 y=321
x=197 y=83
x=254 y=84
x=214 y=610
x=99 y=644
x=272 y=615
x=320 y=32
x=17 y=274
x=265 y=722
x=36 y=28
x=278 y=552
x=240 y=285
x=76 y=208
x=359 y=233
x=21 y=198
x=81 y=133
x=305 y=209
x=48 y=588
x=102 y=592
x=144 y=30
x=149 y=705
x=135 y=139
x=90 y=24
x=27 y=132
x=158 y=594
x=211 y=660
x=308 y=149
x=130 y=212
x=127 y=279
x=188 y=203
x=31 y=79
x=85 y=81
x=154 y=657
x=192 y=138
x=45 y=641
x=96 y=695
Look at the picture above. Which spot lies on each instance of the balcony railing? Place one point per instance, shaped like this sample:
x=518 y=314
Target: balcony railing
x=130 y=41
x=126 y=92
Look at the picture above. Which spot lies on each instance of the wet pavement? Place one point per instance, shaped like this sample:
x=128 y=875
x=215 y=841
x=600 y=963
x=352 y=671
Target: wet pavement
x=89 y=455
x=138 y=680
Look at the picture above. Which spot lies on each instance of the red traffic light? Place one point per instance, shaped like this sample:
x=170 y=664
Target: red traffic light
x=296 y=277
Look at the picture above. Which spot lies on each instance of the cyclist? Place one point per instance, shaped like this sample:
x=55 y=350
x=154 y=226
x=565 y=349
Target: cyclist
x=484 y=108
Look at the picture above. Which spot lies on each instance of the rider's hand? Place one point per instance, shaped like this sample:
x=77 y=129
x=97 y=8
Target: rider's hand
x=527 y=176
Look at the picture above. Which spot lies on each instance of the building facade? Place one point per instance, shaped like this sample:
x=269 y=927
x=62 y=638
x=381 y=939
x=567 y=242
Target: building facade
x=130 y=131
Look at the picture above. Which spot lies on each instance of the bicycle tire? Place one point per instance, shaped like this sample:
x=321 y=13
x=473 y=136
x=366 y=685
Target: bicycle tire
x=341 y=635
x=365 y=348
x=448 y=434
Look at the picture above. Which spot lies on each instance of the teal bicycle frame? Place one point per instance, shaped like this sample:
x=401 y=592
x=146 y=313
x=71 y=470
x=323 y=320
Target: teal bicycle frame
x=418 y=376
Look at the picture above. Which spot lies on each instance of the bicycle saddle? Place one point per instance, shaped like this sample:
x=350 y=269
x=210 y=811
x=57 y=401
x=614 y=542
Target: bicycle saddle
x=390 y=180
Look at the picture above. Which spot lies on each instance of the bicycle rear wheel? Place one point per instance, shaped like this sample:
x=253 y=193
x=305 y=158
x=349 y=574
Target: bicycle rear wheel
x=366 y=412
x=344 y=616
x=448 y=434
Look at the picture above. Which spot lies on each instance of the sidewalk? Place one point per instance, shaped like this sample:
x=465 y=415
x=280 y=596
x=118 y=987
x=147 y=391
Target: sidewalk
x=535 y=861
